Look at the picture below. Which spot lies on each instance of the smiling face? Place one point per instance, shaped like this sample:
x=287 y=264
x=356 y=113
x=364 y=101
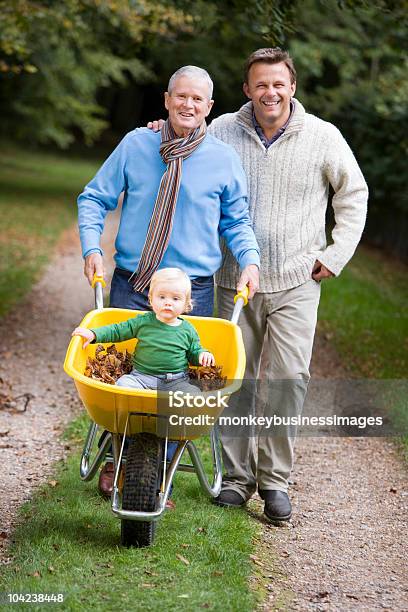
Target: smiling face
x=188 y=104
x=168 y=302
x=270 y=89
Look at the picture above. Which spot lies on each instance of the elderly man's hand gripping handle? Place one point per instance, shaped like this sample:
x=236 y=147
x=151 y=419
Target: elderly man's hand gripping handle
x=249 y=277
x=94 y=266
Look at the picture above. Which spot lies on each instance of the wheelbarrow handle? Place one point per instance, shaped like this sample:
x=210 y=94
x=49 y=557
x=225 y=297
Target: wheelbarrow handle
x=98 y=284
x=240 y=300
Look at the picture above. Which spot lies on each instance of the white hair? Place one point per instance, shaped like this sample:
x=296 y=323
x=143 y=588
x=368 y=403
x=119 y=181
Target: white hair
x=193 y=72
x=178 y=277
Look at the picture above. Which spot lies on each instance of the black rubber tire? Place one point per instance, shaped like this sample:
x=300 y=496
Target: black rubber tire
x=140 y=488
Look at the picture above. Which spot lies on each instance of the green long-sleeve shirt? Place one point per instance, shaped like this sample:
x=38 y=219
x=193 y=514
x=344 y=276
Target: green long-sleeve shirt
x=161 y=348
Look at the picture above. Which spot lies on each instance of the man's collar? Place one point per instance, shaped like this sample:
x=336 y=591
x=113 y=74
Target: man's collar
x=278 y=133
x=295 y=124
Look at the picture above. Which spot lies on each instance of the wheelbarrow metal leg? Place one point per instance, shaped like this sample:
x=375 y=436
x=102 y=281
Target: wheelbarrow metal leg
x=87 y=471
x=117 y=450
x=214 y=489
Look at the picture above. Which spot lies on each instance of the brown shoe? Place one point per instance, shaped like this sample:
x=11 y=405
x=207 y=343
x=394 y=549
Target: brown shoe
x=106 y=478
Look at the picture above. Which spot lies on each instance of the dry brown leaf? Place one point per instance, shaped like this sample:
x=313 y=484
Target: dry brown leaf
x=53 y=483
x=209 y=378
x=182 y=559
x=255 y=559
x=109 y=364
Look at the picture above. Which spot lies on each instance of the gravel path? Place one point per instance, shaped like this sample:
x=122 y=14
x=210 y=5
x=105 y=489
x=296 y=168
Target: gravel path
x=35 y=337
x=346 y=546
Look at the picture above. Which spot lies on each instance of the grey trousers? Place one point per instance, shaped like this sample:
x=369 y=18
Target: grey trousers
x=278 y=331
x=139 y=380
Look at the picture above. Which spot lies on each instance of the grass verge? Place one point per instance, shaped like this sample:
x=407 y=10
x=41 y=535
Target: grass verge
x=364 y=314
x=68 y=542
x=37 y=202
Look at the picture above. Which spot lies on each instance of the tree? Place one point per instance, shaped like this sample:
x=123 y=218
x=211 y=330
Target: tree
x=352 y=70
x=55 y=56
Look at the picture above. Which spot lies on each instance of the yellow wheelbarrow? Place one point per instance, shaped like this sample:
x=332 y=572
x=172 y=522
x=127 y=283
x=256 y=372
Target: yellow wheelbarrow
x=145 y=420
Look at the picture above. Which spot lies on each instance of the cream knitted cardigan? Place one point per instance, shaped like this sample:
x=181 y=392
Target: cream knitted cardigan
x=288 y=186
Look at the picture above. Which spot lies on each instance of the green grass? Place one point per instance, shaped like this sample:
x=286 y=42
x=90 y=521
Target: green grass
x=69 y=542
x=364 y=314
x=37 y=202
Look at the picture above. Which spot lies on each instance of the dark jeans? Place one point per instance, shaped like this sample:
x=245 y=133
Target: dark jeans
x=122 y=295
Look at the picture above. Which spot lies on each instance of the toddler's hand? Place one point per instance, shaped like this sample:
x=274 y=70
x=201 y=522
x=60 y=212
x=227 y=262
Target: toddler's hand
x=206 y=359
x=85 y=333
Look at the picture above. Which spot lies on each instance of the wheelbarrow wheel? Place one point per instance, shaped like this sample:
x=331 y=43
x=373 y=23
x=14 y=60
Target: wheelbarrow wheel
x=140 y=487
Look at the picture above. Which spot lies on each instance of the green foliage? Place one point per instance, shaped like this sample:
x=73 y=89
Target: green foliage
x=224 y=34
x=55 y=56
x=353 y=71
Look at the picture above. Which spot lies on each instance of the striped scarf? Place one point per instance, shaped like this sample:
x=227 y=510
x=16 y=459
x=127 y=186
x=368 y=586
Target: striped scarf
x=173 y=150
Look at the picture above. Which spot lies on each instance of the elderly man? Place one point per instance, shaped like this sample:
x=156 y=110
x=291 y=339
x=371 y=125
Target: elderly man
x=291 y=159
x=183 y=190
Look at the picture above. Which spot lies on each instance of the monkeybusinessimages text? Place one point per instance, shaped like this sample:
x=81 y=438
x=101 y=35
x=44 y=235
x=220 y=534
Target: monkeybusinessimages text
x=178 y=399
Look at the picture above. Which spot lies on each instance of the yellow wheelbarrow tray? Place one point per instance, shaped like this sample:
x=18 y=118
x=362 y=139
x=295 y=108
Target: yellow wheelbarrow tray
x=142 y=418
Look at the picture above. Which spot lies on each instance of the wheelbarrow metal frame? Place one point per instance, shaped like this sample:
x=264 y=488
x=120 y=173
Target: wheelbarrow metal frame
x=88 y=471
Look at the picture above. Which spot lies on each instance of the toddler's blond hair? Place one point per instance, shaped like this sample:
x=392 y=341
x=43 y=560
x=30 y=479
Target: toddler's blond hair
x=179 y=278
